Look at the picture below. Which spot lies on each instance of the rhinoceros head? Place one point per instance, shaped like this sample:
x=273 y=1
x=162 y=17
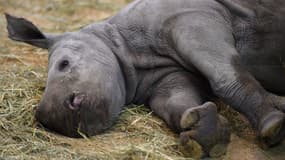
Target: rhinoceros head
x=85 y=88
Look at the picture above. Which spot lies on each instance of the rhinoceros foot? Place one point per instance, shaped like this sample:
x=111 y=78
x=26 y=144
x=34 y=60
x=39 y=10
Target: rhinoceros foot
x=206 y=132
x=272 y=130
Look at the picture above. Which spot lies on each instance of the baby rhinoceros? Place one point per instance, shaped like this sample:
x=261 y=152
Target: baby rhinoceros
x=175 y=56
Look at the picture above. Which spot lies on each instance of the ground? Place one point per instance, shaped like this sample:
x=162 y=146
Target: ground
x=139 y=134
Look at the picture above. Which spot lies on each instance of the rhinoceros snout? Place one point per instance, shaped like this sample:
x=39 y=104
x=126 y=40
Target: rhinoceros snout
x=60 y=118
x=75 y=112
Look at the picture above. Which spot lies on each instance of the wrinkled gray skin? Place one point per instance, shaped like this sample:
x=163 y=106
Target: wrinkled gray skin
x=174 y=56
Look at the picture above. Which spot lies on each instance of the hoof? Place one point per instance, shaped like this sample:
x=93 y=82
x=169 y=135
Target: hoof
x=272 y=130
x=192 y=115
x=189 y=118
x=218 y=150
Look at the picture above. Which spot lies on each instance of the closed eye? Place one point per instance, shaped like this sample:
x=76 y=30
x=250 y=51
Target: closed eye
x=63 y=65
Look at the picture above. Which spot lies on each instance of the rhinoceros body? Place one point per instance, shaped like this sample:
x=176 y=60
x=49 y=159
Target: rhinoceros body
x=174 y=56
x=258 y=38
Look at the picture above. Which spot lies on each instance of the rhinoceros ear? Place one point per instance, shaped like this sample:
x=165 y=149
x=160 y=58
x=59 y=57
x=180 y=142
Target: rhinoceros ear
x=20 y=29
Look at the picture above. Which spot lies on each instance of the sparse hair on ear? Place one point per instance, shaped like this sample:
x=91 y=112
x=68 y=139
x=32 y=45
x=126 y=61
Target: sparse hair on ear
x=22 y=30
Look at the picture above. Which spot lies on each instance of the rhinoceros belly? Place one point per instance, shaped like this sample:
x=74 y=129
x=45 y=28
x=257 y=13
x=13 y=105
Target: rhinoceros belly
x=263 y=54
x=271 y=78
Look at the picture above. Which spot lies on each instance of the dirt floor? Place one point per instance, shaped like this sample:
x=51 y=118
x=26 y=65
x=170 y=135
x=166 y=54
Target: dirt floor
x=139 y=134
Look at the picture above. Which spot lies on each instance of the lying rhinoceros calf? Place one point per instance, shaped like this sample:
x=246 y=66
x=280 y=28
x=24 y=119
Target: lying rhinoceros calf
x=174 y=56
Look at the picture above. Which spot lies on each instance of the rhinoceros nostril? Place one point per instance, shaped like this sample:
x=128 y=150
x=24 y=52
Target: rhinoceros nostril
x=75 y=101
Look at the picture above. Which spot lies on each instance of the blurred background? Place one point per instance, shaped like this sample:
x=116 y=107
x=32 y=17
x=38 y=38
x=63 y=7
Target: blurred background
x=54 y=16
x=139 y=134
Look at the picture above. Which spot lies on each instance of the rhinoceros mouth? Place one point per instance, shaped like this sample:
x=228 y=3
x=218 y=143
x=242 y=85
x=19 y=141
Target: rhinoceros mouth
x=75 y=101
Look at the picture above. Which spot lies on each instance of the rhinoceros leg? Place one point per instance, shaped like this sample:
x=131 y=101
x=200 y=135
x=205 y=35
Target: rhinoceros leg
x=181 y=100
x=205 y=41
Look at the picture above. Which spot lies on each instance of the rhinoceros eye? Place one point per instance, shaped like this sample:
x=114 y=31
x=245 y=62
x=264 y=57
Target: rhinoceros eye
x=63 y=64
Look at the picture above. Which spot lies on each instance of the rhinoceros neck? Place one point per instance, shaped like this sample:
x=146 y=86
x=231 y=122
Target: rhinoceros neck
x=111 y=37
